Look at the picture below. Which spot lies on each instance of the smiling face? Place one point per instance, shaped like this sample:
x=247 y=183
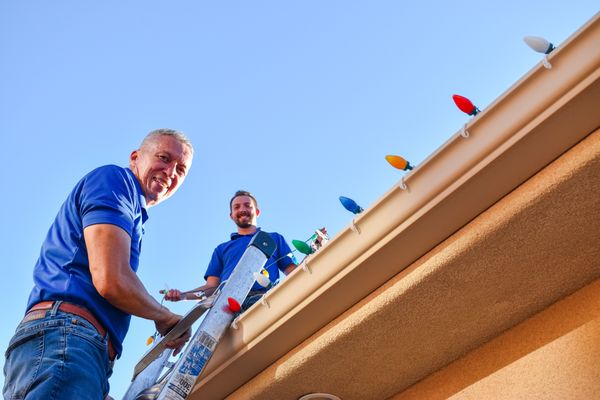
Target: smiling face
x=244 y=212
x=160 y=166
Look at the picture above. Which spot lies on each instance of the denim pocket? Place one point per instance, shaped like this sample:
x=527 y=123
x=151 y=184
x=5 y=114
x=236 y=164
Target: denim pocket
x=62 y=357
x=26 y=332
x=82 y=328
x=22 y=366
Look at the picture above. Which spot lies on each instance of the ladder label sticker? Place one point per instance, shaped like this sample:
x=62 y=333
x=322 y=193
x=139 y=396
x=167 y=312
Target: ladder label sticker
x=183 y=381
x=180 y=386
x=199 y=355
x=175 y=390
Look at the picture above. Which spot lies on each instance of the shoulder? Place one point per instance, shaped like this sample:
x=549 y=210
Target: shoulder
x=109 y=185
x=222 y=246
x=111 y=178
x=282 y=245
x=111 y=175
x=109 y=171
x=276 y=235
x=108 y=194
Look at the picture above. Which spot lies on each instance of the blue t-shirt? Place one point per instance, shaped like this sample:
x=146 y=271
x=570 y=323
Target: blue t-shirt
x=107 y=195
x=226 y=256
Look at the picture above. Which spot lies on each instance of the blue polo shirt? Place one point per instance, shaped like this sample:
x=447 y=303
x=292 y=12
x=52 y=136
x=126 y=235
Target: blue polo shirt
x=226 y=256
x=107 y=195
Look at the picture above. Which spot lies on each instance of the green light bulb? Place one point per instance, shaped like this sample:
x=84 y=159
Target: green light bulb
x=302 y=247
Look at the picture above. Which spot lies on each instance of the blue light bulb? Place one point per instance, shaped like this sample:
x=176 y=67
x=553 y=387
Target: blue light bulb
x=351 y=205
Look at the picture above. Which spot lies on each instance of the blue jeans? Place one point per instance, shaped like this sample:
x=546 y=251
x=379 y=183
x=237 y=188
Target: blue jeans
x=255 y=296
x=58 y=357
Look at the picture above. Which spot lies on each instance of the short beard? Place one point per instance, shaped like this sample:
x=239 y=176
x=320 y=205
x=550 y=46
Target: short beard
x=243 y=225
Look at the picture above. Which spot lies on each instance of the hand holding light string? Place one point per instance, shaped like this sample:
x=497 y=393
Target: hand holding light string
x=153 y=337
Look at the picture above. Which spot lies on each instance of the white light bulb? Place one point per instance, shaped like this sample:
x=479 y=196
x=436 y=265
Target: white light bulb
x=261 y=279
x=539 y=44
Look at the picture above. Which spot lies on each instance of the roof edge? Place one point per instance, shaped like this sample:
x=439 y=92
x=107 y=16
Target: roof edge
x=508 y=142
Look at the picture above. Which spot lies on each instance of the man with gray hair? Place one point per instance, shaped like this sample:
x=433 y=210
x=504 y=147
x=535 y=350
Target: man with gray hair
x=85 y=282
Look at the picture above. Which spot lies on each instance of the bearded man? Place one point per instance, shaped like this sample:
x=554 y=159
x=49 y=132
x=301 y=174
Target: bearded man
x=244 y=212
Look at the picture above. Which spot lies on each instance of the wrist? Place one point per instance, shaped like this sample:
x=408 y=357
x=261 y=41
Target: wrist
x=192 y=295
x=163 y=314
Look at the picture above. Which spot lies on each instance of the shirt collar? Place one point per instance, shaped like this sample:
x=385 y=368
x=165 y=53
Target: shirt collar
x=141 y=195
x=236 y=235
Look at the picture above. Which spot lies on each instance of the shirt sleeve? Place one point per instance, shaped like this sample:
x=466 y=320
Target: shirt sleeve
x=285 y=256
x=215 y=266
x=106 y=198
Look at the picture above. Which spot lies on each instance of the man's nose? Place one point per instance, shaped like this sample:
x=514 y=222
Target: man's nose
x=170 y=170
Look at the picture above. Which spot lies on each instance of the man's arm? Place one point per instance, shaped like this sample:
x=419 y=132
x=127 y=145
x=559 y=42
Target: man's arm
x=212 y=282
x=108 y=248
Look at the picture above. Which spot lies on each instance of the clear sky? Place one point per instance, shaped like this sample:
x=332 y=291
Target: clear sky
x=297 y=102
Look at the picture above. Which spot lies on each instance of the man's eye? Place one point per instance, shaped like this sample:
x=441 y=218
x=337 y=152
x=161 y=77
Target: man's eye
x=181 y=171
x=163 y=158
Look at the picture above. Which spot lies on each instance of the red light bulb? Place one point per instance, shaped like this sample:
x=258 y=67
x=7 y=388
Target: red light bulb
x=234 y=306
x=465 y=105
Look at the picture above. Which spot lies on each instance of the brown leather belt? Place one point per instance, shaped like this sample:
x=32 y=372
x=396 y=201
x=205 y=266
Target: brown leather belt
x=79 y=311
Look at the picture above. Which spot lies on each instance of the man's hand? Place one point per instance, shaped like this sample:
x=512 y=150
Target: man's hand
x=165 y=325
x=174 y=295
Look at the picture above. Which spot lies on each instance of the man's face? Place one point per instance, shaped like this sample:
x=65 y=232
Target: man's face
x=160 y=166
x=244 y=211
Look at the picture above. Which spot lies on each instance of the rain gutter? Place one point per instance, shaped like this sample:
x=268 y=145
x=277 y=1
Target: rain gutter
x=532 y=123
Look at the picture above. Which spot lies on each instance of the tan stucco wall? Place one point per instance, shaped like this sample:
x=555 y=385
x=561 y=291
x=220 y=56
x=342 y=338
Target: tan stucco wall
x=553 y=355
x=517 y=262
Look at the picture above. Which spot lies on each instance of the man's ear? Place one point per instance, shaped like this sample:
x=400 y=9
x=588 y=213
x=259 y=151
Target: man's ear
x=257 y=212
x=132 y=157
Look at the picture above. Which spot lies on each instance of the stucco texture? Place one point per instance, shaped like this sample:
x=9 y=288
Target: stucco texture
x=534 y=247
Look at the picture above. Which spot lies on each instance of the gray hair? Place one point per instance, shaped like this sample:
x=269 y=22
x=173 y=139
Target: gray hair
x=180 y=136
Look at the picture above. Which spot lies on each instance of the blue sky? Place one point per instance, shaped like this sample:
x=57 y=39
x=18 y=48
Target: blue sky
x=298 y=102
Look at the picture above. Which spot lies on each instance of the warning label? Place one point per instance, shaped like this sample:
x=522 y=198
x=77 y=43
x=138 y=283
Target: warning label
x=198 y=355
